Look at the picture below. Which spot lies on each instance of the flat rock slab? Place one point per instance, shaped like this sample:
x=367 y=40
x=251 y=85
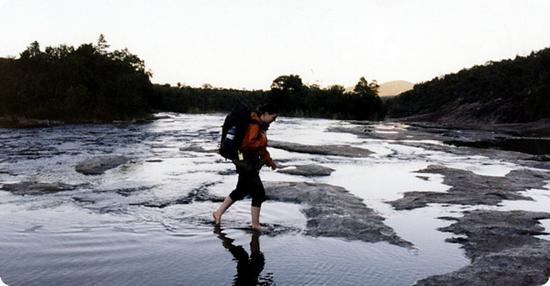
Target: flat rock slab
x=413 y=133
x=199 y=194
x=310 y=170
x=197 y=149
x=98 y=165
x=331 y=150
x=502 y=247
x=332 y=211
x=35 y=188
x=404 y=132
x=468 y=188
x=535 y=146
x=6 y=172
x=15 y=122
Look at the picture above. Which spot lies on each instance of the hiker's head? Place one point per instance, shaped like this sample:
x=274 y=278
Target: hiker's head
x=267 y=113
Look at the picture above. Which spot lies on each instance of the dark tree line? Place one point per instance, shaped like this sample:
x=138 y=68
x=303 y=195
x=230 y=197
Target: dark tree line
x=288 y=91
x=81 y=84
x=206 y=99
x=90 y=84
x=295 y=98
x=515 y=90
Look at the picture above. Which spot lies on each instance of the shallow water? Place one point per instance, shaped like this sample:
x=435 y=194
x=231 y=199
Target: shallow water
x=109 y=232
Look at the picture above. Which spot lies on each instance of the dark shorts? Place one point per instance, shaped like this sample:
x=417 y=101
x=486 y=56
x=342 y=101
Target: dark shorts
x=249 y=183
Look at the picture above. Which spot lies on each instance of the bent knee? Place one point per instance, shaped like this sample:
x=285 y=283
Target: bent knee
x=257 y=201
x=237 y=196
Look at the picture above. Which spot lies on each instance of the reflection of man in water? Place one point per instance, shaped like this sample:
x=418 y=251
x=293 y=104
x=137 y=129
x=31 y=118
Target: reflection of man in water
x=248 y=267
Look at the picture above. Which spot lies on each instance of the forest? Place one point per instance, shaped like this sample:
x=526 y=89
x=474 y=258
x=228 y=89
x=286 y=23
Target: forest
x=92 y=84
x=507 y=91
x=83 y=84
x=288 y=92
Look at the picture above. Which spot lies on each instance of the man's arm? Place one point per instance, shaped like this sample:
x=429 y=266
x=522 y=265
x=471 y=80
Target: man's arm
x=267 y=159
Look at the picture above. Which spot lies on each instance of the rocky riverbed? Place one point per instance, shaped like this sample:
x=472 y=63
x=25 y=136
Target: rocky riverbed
x=356 y=203
x=503 y=247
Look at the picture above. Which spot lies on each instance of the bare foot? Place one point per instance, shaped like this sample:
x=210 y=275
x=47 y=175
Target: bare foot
x=256 y=227
x=217 y=218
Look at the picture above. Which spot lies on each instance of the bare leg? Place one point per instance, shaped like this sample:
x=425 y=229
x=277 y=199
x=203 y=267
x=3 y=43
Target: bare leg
x=217 y=215
x=255 y=212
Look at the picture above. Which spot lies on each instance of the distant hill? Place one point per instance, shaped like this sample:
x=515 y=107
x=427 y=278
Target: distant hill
x=507 y=91
x=395 y=87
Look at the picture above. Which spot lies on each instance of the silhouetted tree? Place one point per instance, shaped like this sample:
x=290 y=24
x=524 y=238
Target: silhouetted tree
x=287 y=91
x=32 y=51
x=364 y=88
x=102 y=45
x=364 y=102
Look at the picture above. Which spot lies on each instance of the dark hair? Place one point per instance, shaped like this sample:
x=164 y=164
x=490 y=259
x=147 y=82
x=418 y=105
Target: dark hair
x=269 y=108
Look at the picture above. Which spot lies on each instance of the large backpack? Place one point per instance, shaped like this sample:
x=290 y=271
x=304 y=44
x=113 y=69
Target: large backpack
x=233 y=130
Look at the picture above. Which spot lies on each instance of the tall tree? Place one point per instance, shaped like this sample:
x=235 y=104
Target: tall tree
x=102 y=45
x=368 y=105
x=288 y=91
x=364 y=88
x=33 y=50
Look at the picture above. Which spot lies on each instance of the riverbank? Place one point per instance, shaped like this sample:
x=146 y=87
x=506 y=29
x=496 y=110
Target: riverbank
x=23 y=122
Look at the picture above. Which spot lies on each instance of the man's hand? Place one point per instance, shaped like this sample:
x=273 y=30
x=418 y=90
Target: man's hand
x=273 y=166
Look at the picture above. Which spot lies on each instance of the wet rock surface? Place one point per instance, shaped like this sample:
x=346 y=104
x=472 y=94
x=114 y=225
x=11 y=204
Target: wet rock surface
x=540 y=128
x=98 y=165
x=503 y=249
x=126 y=192
x=400 y=132
x=535 y=146
x=468 y=188
x=197 y=149
x=20 y=122
x=333 y=212
x=309 y=170
x=503 y=143
x=200 y=194
x=36 y=188
x=524 y=159
x=331 y=150
x=6 y=172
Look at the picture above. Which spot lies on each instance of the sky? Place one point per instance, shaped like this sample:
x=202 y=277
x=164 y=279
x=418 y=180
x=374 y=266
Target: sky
x=246 y=44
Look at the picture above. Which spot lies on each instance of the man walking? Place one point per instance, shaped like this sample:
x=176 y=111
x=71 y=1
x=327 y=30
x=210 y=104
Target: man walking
x=253 y=155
